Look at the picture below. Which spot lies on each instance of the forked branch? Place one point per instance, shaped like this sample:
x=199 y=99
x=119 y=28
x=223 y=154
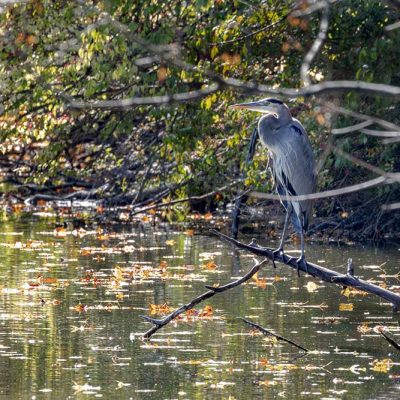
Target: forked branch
x=159 y=323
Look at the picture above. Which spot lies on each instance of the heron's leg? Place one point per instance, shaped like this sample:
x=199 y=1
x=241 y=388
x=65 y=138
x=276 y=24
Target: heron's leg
x=279 y=250
x=302 y=258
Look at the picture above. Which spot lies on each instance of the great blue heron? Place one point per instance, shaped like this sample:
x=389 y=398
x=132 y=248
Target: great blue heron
x=292 y=163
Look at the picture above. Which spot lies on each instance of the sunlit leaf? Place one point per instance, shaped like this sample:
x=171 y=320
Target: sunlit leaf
x=159 y=309
x=80 y=308
x=382 y=365
x=346 y=307
x=210 y=265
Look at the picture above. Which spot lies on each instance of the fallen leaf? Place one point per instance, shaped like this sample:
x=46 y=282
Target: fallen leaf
x=210 y=265
x=382 y=365
x=346 y=307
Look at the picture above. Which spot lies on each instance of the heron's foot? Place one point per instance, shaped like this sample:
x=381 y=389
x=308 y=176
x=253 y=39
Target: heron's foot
x=277 y=252
x=301 y=261
x=253 y=243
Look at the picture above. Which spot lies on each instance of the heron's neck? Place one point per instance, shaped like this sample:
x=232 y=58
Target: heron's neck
x=284 y=117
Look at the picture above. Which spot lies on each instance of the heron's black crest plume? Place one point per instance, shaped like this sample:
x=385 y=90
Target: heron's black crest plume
x=274 y=101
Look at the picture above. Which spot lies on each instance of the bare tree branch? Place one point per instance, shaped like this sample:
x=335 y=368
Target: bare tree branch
x=171 y=54
x=317 y=271
x=317 y=45
x=159 y=323
x=269 y=333
x=328 y=193
x=313 y=8
x=352 y=128
x=385 y=124
x=392 y=27
x=389 y=207
x=387 y=134
x=376 y=170
x=140 y=101
x=391 y=141
x=232 y=83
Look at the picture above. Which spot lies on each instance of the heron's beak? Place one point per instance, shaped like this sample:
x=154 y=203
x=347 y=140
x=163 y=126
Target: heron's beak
x=255 y=106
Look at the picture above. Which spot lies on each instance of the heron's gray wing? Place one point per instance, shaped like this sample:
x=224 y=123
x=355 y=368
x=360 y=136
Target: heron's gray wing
x=302 y=178
x=284 y=187
x=306 y=160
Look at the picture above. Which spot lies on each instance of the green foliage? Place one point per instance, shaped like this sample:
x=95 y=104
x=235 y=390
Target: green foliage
x=51 y=48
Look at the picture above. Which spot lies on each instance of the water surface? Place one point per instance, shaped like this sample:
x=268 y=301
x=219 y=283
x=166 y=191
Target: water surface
x=71 y=328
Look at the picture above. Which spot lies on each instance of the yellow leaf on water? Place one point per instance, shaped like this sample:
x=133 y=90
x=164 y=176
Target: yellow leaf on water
x=159 y=309
x=346 y=307
x=118 y=273
x=364 y=328
x=119 y=296
x=382 y=365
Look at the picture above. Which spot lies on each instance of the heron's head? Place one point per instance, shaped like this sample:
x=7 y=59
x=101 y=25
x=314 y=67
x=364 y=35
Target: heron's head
x=265 y=106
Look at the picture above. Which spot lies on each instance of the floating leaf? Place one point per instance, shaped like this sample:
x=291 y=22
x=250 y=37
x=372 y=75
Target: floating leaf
x=206 y=312
x=346 y=307
x=210 y=265
x=80 y=308
x=382 y=365
x=159 y=309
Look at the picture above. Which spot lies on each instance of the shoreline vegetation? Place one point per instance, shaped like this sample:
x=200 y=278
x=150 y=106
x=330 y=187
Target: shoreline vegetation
x=127 y=105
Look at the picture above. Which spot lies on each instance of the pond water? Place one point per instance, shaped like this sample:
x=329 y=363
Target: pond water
x=72 y=300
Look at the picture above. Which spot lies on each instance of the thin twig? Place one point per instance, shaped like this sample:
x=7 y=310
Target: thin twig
x=390 y=340
x=269 y=333
x=244 y=37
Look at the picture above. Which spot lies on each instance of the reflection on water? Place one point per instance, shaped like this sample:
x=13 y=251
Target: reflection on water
x=71 y=305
